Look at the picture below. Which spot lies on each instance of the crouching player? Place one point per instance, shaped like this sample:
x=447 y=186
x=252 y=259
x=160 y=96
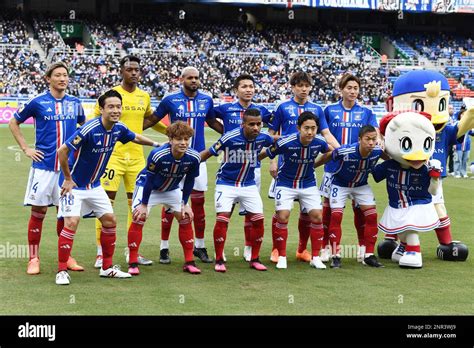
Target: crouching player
x=158 y=183
x=355 y=161
x=236 y=183
x=296 y=181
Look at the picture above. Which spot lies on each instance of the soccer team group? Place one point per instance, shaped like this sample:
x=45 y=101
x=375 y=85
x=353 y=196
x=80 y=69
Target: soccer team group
x=79 y=169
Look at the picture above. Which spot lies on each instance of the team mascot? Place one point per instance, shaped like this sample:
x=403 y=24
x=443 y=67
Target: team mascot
x=411 y=181
x=428 y=91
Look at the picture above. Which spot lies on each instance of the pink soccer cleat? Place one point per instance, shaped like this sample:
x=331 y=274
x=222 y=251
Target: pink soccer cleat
x=191 y=268
x=134 y=270
x=220 y=267
x=256 y=264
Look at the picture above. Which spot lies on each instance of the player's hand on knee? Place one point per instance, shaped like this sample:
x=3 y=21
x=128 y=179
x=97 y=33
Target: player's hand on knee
x=140 y=213
x=186 y=211
x=67 y=187
x=273 y=169
x=35 y=155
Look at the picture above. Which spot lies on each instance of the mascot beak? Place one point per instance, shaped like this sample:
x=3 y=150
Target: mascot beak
x=416 y=156
x=439 y=120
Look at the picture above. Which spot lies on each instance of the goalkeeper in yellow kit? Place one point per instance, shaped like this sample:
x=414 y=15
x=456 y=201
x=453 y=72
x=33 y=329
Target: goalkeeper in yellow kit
x=127 y=160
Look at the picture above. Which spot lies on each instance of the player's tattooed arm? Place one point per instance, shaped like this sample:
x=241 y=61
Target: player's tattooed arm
x=68 y=183
x=35 y=155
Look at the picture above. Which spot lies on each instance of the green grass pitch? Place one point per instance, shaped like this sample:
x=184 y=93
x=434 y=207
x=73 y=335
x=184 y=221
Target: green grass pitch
x=438 y=288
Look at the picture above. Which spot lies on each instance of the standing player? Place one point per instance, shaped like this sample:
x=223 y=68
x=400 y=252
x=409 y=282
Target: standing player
x=284 y=121
x=56 y=116
x=355 y=162
x=158 y=183
x=231 y=115
x=83 y=158
x=195 y=108
x=296 y=180
x=127 y=159
x=344 y=119
x=236 y=183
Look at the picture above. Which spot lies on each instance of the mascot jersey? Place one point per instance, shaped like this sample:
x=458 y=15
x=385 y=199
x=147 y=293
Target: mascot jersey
x=445 y=139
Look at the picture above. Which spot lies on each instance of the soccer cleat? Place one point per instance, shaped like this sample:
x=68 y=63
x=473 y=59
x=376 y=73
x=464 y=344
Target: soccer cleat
x=141 y=259
x=247 y=253
x=98 y=261
x=220 y=266
x=165 y=256
x=317 y=263
x=305 y=256
x=372 y=262
x=191 y=268
x=411 y=259
x=133 y=269
x=336 y=262
x=256 y=264
x=274 y=256
x=360 y=253
x=201 y=253
x=63 y=278
x=73 y=266
x=114 y=272
x=281 y=262
x=325 y=254
x=33 y=266
x=398 y=253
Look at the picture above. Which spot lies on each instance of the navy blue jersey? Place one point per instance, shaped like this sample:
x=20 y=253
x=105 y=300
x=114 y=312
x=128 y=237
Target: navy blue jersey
x=353 y=169
x=445 y=139
x=91 y=147
x=55 y=121
x=297 y=161
x=240 y=157
x=405 y=187
x=194 y=111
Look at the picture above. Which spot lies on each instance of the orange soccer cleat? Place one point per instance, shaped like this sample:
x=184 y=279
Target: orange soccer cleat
x=33 y=266
x=305 y=256
x=73 y=266
x=274 y=255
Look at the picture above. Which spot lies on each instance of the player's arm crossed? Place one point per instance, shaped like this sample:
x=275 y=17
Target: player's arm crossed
x=324 y=157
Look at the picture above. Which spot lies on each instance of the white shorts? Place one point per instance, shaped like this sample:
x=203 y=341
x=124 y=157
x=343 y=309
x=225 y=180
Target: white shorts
x=248 y=197
x=42 y=189
x=258 y=182
x=271 y=189
x=85 y=203
x=439 y=197
x=170 y=199
x=326 y=184
x=362 y=195
x=309 y=198
x=200 y=182
x=420 y=218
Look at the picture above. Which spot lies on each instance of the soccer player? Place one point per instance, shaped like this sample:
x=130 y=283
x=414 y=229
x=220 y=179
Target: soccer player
x=195 y=108
x=83 y=158
x=296 y=180
x=355 y=162
x=344 y=119
x=231 y=115
x=158 y=183
x=236 y=183
x=127 y=159
x=284 y=121
x=56 y=116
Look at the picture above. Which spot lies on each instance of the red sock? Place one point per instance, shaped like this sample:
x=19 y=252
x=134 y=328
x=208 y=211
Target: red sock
x=443 y=232
x=257 y=234
x=317 y=236
x=247 y=230
x=166 y=223
x=135 y=233
x=220 y=235
x=413 y=248
x=107 y=241
x=197 y=205
x=35 y=226
x=335 y=230
x=304 y=230
x=185 y=233
x=280 y=236
x=59 y=225
x=274 y=221
x=65 y=241
x=370 y=230
x=326 y=221
x=359 y=223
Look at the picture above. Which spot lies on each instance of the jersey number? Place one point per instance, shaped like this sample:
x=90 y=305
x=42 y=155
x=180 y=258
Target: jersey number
x=278 y=195
x=35 y=187
x=219 y=194
x=334 y=192
x=108 y=174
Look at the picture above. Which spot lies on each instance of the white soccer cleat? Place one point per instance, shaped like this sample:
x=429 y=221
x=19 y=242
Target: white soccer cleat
x=114 y=272
x=98 y=261
x=141 y=260
x=63 y=278
x=317 y=263
x=247 y=253
x=411 y=259
x=360 y=253
x=398 y=253
x=325 y=254
x=281 y=264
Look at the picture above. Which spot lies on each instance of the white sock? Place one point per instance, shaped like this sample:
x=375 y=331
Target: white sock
x=199 y=243
x=164 y=245
x=99 y=250
x=368 y=254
